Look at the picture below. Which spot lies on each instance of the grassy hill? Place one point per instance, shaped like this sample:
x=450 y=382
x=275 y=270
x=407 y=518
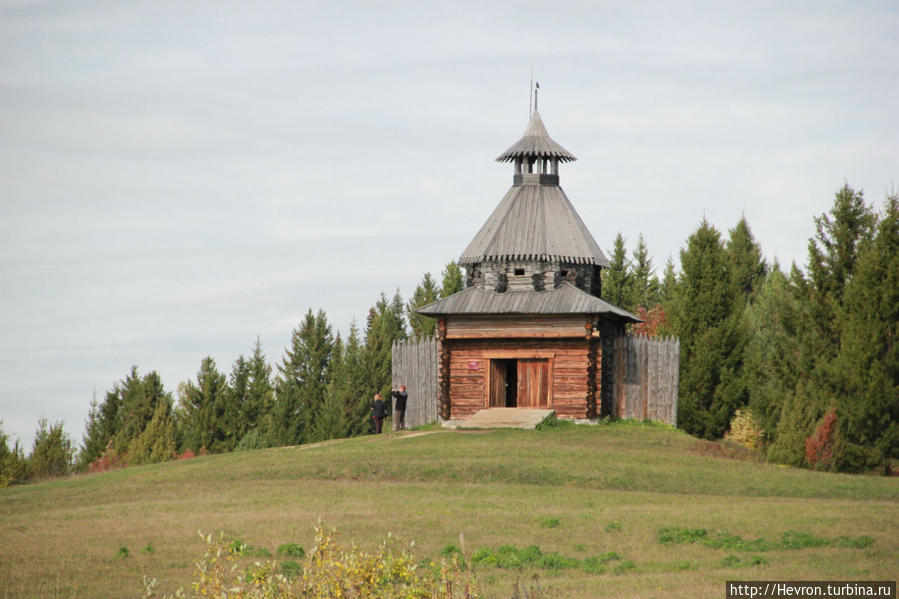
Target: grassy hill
x=625 y=510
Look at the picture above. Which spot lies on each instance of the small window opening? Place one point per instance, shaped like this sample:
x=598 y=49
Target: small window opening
x=564 y=272
x=519 y=271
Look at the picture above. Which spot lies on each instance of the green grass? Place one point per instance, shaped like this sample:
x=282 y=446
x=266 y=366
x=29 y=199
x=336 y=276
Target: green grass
x=591 y=500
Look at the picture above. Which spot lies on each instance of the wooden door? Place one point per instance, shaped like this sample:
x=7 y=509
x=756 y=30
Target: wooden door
x=533 y=383
x=497 y=397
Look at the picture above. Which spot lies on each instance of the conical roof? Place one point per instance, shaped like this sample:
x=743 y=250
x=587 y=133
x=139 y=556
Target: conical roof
x=534 y=222
x=536 y=142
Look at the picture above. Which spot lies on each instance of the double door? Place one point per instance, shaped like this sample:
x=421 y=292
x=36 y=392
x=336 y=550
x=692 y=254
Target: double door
x=519 y=383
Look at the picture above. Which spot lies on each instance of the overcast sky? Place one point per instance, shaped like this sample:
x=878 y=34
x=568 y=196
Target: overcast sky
x=177 y=178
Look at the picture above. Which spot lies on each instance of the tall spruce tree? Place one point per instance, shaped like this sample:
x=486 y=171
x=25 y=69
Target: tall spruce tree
x=710 y=389
x=385 y=325
x=202 y=406
x=425 y=293
x=452 y=280
x=771 y=351
x=616 y=278
x=867 y=433
x=302 y=381
x=642 y=284
x=260 y=393
x=329 y=419
x=833 y=256
x=350 y=388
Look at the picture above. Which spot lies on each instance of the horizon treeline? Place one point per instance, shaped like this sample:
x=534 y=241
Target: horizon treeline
x=321 y=389
x=802 y=366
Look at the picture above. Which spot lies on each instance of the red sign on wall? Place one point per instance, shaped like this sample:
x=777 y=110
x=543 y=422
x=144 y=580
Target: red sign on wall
x=473 y=364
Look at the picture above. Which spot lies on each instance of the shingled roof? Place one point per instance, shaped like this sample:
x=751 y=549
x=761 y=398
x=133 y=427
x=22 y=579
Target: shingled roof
x=534 y=222
x=565 y=299
x=536 y=142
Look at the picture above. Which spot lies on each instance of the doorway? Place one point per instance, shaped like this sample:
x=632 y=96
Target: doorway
x=519 y=383
x=503 y=383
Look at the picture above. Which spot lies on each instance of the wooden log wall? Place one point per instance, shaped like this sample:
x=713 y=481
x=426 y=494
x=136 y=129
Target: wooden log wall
x=415 y=365
x=646 y=376
x=569 y=361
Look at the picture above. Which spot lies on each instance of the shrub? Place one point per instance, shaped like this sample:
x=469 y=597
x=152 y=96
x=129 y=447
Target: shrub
x=819 y=447
x=13 y=466
x=53 y=454
x=252 y=440
x=329 y=570
x=122 y=553
x=745 y=430
x=613 y=525
x=291 y=550
x=290 y=569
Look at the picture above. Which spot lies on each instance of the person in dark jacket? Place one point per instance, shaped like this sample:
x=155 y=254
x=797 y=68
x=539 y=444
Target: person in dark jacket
x=378 y=412
x=399 y=407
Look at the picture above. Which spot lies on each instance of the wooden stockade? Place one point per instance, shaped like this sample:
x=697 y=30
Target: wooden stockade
x=415 y=365
x=646 y=378
x=644 y=385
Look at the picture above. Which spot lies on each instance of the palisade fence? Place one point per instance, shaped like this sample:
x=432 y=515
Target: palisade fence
x=646 y=378
x=644 y=381
x=415 y=365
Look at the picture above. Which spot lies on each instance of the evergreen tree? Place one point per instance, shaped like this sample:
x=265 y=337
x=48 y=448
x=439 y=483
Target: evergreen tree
x=710 y=387
x=348 y=387
x=452 y=280
x=52 y=454
x=771 y=351
x=867 y=433
x=157 y=442
x=260 y=393
x=102 y=424
x=833 y=256
x=329 y=422
x=616 y=278
x=302 y=381
x=384 y=326
x=13 y=465
x=234 y=423
x=746 y=267
x=642 y=284
x=202 y=406
x=426 y=292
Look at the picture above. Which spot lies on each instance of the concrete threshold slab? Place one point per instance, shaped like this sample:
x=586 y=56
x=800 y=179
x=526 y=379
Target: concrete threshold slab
x=502 y=418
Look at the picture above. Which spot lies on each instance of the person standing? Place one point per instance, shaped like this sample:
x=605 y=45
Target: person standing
x=400 y=396
x=378 y=413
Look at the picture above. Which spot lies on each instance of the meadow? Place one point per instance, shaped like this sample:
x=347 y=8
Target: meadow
x=614 y=510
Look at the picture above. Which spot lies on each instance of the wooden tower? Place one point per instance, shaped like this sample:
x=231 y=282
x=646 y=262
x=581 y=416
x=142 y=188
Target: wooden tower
x=530 y=329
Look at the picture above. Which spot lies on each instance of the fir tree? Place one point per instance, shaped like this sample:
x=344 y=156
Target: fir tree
x=329 y=422
x=52 y=454
x=13 y=465
x=260 y=393
x=202 y=405
x=616 y=278
x=102 y=424
x=710 y=386
x=452 y=280
x=384 y=326
x=425 y=293
x=771 y=351
x=642 y=284
x=349 y=387
x=833 y=256
x=302 y=380
x=746 y=267
x=867 y=432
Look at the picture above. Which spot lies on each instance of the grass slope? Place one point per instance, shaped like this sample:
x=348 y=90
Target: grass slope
x=581 y=492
